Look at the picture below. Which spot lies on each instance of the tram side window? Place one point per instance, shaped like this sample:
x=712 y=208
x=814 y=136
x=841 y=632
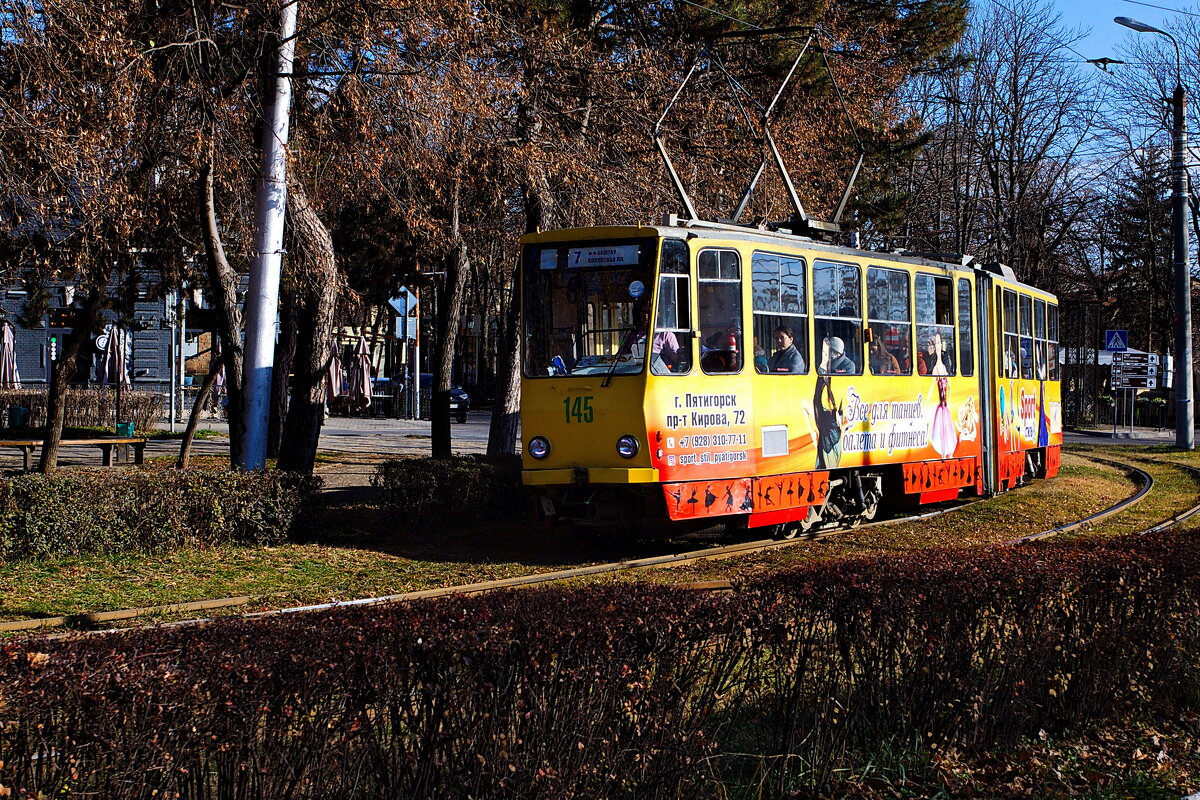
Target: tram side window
x=1052 y=341
x=890 y=319
x=1026 y=304
x=780 y=314
x=935 y=325
x=837 y=318
x=671 y=345
x=1012 y=347
x=966 y=339
x=720 y=311
x=1039 y=344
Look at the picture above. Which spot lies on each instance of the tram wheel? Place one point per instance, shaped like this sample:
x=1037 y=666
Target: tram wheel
x=811 y=521
x=785 y=530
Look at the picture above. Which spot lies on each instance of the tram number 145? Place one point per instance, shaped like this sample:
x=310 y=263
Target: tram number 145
x=578 y=409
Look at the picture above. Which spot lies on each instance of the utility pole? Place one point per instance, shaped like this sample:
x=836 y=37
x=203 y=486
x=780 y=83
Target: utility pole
x=1185 y=436
x=1185 y=411
x=262 y=296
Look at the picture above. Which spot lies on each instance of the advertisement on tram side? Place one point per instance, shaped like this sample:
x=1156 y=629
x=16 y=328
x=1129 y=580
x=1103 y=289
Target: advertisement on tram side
x=756 y=426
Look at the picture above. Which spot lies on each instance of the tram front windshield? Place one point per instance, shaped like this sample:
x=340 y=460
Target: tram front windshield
x=586 y=307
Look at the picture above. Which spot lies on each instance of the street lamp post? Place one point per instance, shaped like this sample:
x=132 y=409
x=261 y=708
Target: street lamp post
x=1184 y=409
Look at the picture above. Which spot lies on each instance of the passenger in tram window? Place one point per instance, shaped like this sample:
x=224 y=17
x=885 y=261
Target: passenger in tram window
x=882 y=362
x=720 y=350
x=786 y=357
x=903 y=356
x=1026 y=358
x=833 y=358
x=760 y=359
x=1010 y=362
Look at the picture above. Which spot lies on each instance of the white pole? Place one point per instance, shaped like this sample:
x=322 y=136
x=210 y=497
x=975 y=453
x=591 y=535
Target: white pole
x=180 y=411
x=262 y=296
x=170 y=312
x=417 y=359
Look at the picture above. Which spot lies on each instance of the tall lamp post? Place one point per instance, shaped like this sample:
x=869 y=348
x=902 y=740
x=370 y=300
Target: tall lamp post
x=1184 y=409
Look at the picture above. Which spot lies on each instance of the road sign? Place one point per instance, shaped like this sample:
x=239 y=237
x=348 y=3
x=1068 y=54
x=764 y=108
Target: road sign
x=1143 y=372
x=1135 y=358
x=405 y=306
x=1116 y=341
x=1131 y=382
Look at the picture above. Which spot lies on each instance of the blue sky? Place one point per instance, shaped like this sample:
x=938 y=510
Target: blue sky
x=1098 y=16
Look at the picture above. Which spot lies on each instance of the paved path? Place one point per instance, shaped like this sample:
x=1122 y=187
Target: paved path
x=350 y=437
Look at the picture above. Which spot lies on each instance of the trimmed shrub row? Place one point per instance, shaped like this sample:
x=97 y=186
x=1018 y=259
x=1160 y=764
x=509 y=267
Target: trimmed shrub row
x=134 y=510
x=465 y=488
x=88 y=408
x=612 y=692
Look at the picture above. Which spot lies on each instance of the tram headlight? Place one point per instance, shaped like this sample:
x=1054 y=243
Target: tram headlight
x=539 y=447
x=627 y=446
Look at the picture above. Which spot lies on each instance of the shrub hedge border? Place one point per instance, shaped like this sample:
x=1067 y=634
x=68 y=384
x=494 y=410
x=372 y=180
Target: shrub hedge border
x=70 y=513
x=613 y=691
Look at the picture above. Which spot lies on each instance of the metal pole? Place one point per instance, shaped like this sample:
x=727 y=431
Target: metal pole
x=181 y=363
x=1185 y=437
x=262 y=296
x=416 y=381
x=171 y=366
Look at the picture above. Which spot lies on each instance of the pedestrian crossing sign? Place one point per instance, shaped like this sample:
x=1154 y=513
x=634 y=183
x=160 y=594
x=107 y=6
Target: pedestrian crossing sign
x=1116 y=341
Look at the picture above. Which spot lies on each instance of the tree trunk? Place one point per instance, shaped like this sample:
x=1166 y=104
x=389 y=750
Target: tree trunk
x=502 y=438
x=506 y=411
x=285 y=354
x=223 y=286
x=448 y=312
x=61 y=370
x=185 y=446
x=306 y=412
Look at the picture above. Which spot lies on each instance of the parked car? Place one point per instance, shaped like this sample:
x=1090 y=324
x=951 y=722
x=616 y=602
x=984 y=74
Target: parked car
x=460 y=403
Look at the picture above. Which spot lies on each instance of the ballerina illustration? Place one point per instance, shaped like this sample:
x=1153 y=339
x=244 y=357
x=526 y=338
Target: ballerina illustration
x=677 y=496
x=942 y=435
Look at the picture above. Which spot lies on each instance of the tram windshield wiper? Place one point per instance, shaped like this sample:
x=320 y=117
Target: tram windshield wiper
x=625 y=342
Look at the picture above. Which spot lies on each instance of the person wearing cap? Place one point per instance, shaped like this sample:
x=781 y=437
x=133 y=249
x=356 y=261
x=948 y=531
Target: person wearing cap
x=786 y=357
x=833 y=358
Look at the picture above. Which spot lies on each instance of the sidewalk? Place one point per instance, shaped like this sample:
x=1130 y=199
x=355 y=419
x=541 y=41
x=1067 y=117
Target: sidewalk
x=1141 y=435
x=377 y=435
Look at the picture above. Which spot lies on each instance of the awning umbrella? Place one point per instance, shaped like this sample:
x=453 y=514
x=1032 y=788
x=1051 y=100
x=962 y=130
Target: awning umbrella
x=333 y=375
x=112 y=367
x=360 y=376
x=10 y=378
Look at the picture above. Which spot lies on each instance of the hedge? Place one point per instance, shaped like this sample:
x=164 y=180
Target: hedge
x=613 y=692
x=67 y=513
x=88 y=408
x=463 y=488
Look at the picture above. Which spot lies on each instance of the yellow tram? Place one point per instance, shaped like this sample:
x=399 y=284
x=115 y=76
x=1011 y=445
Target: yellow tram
x=692 y=372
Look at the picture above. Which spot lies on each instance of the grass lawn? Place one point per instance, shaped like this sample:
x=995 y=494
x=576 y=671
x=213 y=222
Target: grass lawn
x=357 y=554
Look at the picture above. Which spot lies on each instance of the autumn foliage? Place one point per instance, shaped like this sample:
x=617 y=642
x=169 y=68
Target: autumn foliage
x=612 y=692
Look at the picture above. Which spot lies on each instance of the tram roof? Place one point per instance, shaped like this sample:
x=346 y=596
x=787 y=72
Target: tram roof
x=698 y=229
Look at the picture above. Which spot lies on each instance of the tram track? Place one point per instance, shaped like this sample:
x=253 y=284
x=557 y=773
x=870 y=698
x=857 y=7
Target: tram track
x=721 y=552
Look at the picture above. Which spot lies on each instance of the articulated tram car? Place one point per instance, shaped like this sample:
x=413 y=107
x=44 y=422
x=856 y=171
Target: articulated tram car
x=696 y=373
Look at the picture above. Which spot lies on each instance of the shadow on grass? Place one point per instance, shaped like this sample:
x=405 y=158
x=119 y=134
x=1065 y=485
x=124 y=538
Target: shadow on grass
x=347 y=518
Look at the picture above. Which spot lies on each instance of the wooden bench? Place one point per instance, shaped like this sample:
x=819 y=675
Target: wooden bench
x=107 y=445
